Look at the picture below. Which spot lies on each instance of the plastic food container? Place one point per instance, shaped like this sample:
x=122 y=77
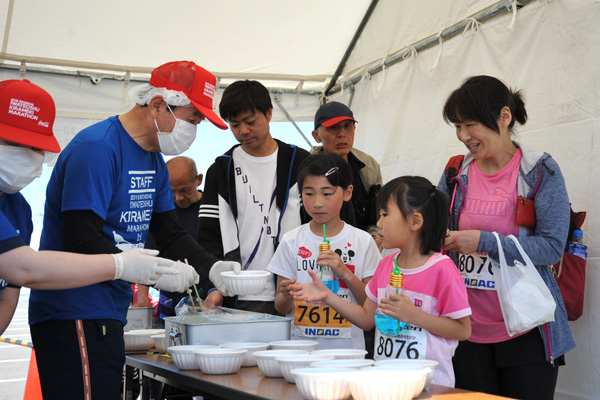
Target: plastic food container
x=220 y=361
x=412 y=364
x=355 y=363
x=138 y=340
x=268 y=364
x=251 y=347
x=323 y=383
x=308 y=345
x=184 y=356
x=341 y=354
x=160 y=342
x=288 y=363
x=246 y=282
x=381 y=384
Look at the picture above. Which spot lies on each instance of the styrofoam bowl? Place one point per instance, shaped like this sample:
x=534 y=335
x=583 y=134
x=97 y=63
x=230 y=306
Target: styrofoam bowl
x=413 y=363
x=268 y=364
x=139 y=340
x=322 y=383
x=160 y=342
x=184 y=357
x=220 y=360
x=354 y=363
x=404 y=369
x=385 y=384
x=251 y=347
x=288 y=363
x=246 y=282
x=308 y=345
x=343 y=354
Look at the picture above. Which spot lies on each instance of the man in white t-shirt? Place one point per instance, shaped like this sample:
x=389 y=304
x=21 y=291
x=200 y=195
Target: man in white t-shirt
x=250 y=196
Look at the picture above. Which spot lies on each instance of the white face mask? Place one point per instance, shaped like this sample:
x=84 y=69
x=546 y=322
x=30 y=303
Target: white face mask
x=19 y=166
x=179 y=140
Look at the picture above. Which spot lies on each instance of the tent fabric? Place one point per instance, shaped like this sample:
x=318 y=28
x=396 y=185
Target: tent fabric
x=398 y=24
x=227 y=37
x=551 y=52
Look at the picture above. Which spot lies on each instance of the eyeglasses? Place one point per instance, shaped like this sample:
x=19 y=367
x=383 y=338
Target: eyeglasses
x=183 y=192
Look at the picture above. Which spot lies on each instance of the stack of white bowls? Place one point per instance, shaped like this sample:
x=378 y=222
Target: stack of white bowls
x=184 y=356
x=220 y=360
x=250 y=347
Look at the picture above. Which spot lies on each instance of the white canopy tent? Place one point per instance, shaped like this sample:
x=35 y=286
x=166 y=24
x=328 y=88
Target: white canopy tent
x=394 y=62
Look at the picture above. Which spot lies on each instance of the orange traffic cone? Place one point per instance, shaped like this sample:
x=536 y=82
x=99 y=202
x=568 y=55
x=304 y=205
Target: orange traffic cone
x=33 y=390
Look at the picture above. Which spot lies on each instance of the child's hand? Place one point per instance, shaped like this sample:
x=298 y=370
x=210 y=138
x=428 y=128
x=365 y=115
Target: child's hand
x=309 y=291
x=284 y=287
x=398 y=306
x=333 y=260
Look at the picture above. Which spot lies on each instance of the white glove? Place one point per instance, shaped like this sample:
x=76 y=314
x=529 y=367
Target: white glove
x=215 y=274
x=186 y=276
x=142 y=266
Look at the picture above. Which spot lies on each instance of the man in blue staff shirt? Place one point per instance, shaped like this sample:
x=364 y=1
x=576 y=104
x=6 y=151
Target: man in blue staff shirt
x=110 y=187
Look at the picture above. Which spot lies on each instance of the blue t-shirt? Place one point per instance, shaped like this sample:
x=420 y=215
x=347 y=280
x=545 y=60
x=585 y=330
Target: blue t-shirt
x=103 y=170
x=15 y=225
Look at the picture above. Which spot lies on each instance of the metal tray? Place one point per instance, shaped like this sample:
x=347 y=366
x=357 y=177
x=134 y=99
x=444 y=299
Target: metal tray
x=138 y=318
x=270 y=328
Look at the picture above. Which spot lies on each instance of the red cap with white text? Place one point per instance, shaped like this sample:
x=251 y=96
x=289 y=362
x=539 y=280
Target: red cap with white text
x=198 y=84
x=27 y=115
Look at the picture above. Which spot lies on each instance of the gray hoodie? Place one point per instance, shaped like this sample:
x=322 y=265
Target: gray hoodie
x=544 y=246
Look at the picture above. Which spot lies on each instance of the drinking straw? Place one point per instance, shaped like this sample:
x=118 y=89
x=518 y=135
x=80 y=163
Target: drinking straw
x=396 y=270
x=324 y=241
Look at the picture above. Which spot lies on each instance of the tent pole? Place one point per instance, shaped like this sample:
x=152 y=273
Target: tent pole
x=351 y=46
x=9 y=15
x=277 y=98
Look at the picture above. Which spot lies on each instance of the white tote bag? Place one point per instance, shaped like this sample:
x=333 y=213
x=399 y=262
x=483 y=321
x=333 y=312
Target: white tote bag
x=525 y=299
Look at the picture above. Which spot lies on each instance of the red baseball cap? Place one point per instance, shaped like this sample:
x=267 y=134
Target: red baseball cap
x=198 y=84
x=27 y=115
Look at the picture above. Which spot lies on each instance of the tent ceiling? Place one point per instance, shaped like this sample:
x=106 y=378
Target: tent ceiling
x=293 y=47
x=285 y=40
x=282 y=41
x=398 y=24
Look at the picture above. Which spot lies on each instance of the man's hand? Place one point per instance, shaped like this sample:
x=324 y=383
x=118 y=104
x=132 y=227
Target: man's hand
x=215 y=275
x=142 y=266
x=185 y=277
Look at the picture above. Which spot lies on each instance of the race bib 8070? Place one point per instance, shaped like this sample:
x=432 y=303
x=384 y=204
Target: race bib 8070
x=476 y=270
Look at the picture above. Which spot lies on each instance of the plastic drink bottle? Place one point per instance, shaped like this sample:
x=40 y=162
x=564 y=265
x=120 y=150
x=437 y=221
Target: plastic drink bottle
x=576 y=246
x=387 y=325
x=326 y=273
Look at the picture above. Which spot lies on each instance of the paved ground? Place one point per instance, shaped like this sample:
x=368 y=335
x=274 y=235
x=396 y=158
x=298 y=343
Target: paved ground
x=14 y=359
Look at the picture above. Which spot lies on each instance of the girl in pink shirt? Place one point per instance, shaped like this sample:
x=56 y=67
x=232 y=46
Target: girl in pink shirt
x=433 y=303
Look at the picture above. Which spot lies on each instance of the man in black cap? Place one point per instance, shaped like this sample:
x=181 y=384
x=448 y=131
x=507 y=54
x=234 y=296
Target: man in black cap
x=334 y=129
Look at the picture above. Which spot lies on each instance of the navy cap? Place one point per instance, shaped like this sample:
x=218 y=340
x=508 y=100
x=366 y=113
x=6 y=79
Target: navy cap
x=331 y=113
